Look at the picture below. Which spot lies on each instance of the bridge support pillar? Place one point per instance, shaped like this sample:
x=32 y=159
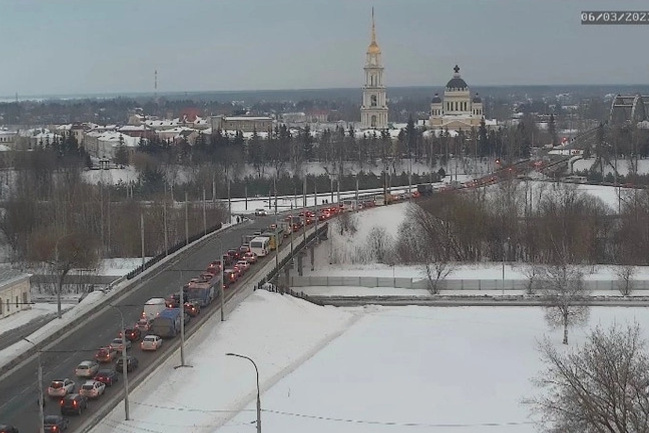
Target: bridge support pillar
x=312 y=251
x=300 y=271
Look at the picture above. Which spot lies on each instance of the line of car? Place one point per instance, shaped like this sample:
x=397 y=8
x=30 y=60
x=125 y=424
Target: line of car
x=96 y=375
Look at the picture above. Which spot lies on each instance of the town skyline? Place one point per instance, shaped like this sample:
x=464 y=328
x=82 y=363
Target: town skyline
x=75 y=47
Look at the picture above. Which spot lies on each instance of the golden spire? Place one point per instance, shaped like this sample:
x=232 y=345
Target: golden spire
x=374 y=47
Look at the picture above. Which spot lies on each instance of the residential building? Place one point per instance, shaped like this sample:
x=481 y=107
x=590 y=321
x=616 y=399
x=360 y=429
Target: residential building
x=15 y=293
x=241 y=123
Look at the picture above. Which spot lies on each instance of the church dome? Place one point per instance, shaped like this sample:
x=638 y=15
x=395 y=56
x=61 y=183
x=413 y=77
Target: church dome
x=456 y=83
x=373 y=48
x=477 y=99
x=436 y=99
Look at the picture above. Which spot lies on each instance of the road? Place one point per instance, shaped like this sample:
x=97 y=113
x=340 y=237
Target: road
x=18 y=391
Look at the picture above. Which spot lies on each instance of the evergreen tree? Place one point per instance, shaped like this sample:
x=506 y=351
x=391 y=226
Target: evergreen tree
x=552 y=130
x=483 y=139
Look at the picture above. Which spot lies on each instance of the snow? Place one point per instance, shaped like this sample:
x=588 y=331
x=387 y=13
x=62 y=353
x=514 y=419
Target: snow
x=460 y=367
x=280 y=330
x=23 y=317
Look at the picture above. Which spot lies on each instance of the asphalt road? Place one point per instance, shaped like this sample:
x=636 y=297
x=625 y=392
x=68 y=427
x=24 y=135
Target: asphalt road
x=19 y=391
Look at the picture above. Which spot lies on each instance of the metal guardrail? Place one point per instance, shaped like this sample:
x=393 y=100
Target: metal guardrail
x=449 y=284
x=231 y=300
x=114 y=290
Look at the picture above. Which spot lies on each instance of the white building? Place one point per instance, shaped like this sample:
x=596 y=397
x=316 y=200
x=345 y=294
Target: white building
x=457 y=110
x=103 y=145
x=374 y=109
x=15 y=294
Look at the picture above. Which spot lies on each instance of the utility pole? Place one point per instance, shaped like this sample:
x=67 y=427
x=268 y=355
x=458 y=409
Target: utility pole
x=124 y=365
x=164 y=221
x=204 y=215
x=186 y=220
x=275 y=190
x=41 y=414
x=142 y=237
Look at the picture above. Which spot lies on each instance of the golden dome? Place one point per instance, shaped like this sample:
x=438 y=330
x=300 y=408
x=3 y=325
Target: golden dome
x=373 y=48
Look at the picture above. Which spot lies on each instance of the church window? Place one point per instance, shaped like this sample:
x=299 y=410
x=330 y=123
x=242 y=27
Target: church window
x=373 y=123
x=373 y=102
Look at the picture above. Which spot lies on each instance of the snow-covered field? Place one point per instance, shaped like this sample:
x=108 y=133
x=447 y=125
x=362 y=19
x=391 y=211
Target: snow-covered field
x=353 y=370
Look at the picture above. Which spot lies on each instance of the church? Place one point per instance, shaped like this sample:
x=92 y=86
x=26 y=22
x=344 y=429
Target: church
x=374 y=109
x=456 y=110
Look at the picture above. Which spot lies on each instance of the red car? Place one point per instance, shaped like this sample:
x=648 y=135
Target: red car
x=192 y=309
x=214 y=267
x=105 y=354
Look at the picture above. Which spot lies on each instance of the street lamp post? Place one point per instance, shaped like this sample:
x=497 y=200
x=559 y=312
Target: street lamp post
x=41 y=414
x=221 y=292
x=124 y=364
x=258 y=398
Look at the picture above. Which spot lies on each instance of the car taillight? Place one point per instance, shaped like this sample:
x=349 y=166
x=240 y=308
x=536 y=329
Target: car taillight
x=54 y=428
x=61 y=402
x=74 y=403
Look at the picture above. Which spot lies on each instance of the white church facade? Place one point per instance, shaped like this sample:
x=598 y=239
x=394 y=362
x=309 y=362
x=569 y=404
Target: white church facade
x=457 y=109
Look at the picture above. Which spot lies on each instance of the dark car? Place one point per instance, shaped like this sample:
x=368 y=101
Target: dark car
x=55 y=423
x=192 y=308
x=132 y=334
x=8 y=428
x=107 y=376
x=73 y=403
x=131 y=364
x=234 y=254
x=173 y=300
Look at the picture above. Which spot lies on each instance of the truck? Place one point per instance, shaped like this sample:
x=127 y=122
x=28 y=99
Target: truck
x=245 y=239
x=276 y=237
x=287 y=227
x=167 y=323
x=203 y=292
x=153 y=307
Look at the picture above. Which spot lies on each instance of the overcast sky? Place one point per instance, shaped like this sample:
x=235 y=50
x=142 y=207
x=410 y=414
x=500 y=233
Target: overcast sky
x=107 y=46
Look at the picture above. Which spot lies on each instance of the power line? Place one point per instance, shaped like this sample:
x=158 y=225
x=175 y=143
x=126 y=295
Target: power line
x=399 y=424
x=189 y=409
x=345 y=420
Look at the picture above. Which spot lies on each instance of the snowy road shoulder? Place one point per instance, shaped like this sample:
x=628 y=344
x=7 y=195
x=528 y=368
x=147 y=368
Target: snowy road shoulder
x=279 y=332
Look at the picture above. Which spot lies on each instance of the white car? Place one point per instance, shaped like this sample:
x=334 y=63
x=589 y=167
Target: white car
x=60 y=388
x=151 y=342
x=118 y=344
x=243 y=264
x=92 y=389
x=260 y=212
x=87 y=369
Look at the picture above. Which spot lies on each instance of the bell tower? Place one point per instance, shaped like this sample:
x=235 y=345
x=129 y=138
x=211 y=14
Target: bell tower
x=374 y=109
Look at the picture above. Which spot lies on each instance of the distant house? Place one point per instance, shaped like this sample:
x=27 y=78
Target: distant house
x=241 y=123
x=15 y=294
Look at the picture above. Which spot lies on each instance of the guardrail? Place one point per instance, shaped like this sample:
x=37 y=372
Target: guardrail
x=113 y=292
x=449 y=284
x=231 y=301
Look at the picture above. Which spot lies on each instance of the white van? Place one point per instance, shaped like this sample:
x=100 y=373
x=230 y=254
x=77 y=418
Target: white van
x=153 y=307
x=260 y=246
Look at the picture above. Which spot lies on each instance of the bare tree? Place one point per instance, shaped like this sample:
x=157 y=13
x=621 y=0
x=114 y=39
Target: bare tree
x=436 y=272
x=564 y=295
x=347 y=223
x=625 y=276
x=63 y=253
x=598 y=387
x=379 y=244
x=533 y=274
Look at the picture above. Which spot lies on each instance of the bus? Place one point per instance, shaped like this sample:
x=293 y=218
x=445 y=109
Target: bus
x=260 y=246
